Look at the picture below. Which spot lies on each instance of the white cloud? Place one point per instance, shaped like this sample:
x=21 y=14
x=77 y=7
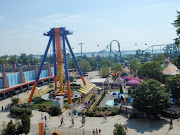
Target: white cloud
x=57 y=18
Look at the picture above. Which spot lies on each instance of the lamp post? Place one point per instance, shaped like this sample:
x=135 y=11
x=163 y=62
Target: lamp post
x=81 y=49
x=170 y=92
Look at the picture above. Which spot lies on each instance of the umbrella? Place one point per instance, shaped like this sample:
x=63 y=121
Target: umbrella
x=132 y=83
x=137 y=79
x=127 y=78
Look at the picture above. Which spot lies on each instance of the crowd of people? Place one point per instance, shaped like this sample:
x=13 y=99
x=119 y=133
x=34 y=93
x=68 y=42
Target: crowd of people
x=7 y=107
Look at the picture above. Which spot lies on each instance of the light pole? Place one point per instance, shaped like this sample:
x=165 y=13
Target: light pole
x=170 y=92
x=81 y=49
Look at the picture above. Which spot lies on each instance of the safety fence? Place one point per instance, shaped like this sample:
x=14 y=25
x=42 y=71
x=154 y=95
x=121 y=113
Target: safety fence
x=99 y=97
x=63 y=131
x=68 y=131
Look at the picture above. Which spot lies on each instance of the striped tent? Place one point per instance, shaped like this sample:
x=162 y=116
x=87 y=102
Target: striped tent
x=127 y=78
x=170 y=69
x=132 y=83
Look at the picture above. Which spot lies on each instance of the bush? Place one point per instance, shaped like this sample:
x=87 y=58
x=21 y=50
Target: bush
x=19 y=111
x=55 y=111
x=66 y=106
x=37 y=99
x=71 y=78
x=15 y=101
x=42 y=109
x=51 y=85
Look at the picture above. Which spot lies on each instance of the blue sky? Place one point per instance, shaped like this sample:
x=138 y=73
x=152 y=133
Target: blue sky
x=93 y=22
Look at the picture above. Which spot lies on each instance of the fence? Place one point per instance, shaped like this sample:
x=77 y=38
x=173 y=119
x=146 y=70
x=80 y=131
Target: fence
x=69 y=131
x=100 y=95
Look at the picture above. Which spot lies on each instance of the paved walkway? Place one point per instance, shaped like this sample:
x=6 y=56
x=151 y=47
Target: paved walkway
x=135 y=126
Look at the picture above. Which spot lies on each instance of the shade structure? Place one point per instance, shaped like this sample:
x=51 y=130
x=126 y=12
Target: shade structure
x=127 y=78
x=137 y=79
x=132 y=83
x=119 y=79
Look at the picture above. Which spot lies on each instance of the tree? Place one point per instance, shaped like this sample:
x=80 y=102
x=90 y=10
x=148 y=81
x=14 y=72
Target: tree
x=13 y=59
x=147 y=55
x=134 y=64
x=117 y=67
x=25 y=123
x=177 y=26
x=92 y=62
x=105 y=71
x=138 y=53
x=160 y=57
x=105 y=62
x=173 y=83
x=151 y=70
x=71 y=64
x=4 y=59
x=150 y=97
x=10 y=129
x=177 y=62
x=118 y=129
x=23 y=59
x=84 y=66
x=15 y=101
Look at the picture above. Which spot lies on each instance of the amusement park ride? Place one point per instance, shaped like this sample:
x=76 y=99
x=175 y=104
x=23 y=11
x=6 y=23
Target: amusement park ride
x=58 y=37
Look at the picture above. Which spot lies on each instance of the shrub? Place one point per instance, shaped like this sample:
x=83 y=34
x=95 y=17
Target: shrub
x=15 y=101
x=71 y=78
x=55 y=111
x=51 y=85
x=37 y=99
x=66 y=106
x=42 y=109
x=19 y=111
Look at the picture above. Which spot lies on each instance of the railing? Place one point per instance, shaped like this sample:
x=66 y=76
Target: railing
x=87 y=98
x=69 y=131
x=100 y=95
x=36 y=94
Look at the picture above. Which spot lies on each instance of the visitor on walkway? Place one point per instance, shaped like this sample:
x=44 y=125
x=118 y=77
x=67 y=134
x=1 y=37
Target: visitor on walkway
x=96 y=131
x=42 y=117
x=62 y=120
x=45 y=118
x=106 y=118
x=45 y=124
x=93 y=131
x=103 y=118
x=72 y=122
x=49 y=117
x=2 y=108
x=100 y=131
x=126 y=129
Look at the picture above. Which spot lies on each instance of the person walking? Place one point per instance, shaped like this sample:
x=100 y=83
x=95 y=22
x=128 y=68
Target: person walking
x=96 y=131
x=45 y=118
x=126 y=129
x=49 y=117
x=62 y=120
x=42 y=116
x=72 y=122
x=2 y=107
x=100 y=131
x=93 y=131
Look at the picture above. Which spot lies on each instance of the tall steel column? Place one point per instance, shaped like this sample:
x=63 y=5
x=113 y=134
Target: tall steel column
x=39 y=71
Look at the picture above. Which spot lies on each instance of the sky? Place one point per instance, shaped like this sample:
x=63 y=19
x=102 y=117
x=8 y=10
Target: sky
x=93 y=22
